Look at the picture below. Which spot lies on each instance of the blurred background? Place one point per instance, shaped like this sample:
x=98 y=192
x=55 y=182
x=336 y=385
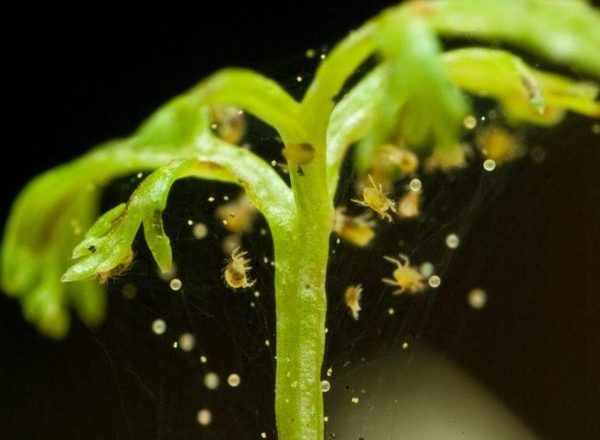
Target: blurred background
x=529 y=237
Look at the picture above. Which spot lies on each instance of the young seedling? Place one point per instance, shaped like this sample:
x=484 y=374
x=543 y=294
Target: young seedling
x=415 y=95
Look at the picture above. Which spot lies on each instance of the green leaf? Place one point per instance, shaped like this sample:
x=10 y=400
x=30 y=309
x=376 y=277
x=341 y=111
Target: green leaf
x=254 y=93
x=42 y=228
x=352 y=119
x=563 y=31
x=525 y=94
x=107 y=246
x=432 y=107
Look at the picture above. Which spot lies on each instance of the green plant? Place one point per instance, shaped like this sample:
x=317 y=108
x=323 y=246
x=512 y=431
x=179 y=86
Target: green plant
x=411 y=79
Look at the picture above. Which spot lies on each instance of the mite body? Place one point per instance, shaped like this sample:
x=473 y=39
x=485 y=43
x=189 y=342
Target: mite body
x=406 y=277
x=409 y=205
x=498 y=143
x=394 y=162
x=375 y=199
x=391 y=163
x=352 y=297
x=236 y=271
x=229 y=123
x=237 y=216
x=300 y=154
x=118 y=270
x=357 y=230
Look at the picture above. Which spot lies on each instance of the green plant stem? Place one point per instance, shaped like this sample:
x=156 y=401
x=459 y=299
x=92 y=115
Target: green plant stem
x=301 y=255
x=301 y=307
x=331 y=75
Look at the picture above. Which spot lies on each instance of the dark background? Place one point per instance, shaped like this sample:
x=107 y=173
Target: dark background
x=76 y=80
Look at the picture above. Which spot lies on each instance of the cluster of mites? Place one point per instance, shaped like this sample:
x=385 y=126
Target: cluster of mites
x=390 y=161
x=238 y=215
x=405 y=278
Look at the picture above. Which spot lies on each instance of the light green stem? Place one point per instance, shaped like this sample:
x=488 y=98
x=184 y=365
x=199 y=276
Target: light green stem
x=301 y=255
x=300 y=306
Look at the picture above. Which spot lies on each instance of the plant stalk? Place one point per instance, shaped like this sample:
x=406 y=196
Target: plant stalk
x=301 y=256
x=301 y=306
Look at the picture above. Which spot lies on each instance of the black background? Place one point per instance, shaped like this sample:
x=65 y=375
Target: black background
x=76 y=78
